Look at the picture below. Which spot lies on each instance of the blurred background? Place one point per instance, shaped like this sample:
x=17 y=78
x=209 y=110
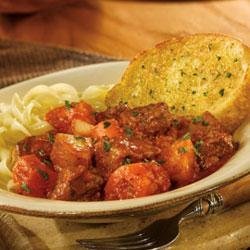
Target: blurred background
x=119 y=28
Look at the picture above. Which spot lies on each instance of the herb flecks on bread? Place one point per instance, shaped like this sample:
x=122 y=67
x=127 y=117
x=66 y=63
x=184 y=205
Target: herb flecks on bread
x=192 y=74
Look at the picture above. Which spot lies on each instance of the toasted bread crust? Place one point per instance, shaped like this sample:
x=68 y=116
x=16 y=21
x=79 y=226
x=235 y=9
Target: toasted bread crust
x=192 y=74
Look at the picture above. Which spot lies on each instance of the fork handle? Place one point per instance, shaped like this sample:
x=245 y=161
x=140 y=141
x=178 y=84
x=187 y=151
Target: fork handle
x=235 y=193
x=226 y=197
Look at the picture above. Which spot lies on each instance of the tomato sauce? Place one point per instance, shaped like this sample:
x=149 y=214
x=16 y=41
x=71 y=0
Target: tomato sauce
x=120 y=153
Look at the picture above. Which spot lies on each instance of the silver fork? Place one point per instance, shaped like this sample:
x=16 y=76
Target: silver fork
x=160 y=233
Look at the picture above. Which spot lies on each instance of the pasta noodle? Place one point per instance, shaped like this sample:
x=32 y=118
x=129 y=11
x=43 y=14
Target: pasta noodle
x=95 y=96
x=25 y=116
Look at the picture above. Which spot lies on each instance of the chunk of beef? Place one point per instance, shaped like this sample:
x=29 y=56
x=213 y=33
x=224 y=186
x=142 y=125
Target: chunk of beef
x=150 y=120
x=111 y=113
x=214 y=145
x=113 y=153
x=71 y=157
x=87 y=186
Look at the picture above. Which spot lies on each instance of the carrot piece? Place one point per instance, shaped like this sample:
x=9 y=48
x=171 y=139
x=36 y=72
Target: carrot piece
x=136 y=180
x=33 y=177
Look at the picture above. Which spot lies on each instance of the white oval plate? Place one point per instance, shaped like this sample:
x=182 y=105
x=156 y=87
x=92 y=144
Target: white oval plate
x=107 y=73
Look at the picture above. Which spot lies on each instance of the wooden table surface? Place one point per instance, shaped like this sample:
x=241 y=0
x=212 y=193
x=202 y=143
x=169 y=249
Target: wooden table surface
x=122 y=28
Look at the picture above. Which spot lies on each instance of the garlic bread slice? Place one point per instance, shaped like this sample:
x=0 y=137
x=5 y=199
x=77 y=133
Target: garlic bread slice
x=192 y=74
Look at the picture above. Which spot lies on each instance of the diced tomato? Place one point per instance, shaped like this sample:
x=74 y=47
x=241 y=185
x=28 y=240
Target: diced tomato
x=109 y=128
x=33 y=177
x=136 y=180
x=180 y=162
x=40 y=145
x=61 y=118
x=86 y=186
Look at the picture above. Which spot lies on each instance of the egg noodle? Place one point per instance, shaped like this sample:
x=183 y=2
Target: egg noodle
x=24 y=116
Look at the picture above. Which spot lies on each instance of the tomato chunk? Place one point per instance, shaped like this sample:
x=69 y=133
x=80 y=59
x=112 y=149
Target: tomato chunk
x=33 y=177
x=61 y=118
x=40 y=145
x=109 y=128
x=180 y=162
x=136 y=180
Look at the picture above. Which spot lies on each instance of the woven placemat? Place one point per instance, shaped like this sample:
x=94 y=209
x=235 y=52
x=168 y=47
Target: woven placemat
x=21 y=60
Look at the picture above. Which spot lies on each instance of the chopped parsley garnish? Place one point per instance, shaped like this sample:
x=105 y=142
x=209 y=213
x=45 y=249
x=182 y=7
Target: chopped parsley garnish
x=182 y=73
x=106 y=124
x=228 y=74
x=187 y=136
x=236 y=60
x=204 y=78
x=217 y=76
x=221 y=92
x=128 y=131
x=25 y=187
x=161 y=161
x=43 y=174
x=143 y=66
x=209 y=46
x=197 y=119
x=106 y=145
x=25 y=147
x=47 y=162
x=193 y=92
x=205 y=93
x=151 y=92
x=80 y=138
x=134 y=113
x=205 y=123
x=197 y=147
x=182 y=150
x=218 y=58
x=176 y=123
x=51 y=138
x=173 y=107
x=67 y=104
x=183 y=108
x=195 y=74
x=41 y=153
x=127 y=160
